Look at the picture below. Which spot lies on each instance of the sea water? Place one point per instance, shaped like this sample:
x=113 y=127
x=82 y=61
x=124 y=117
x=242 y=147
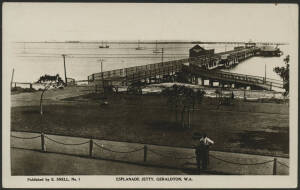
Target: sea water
x=32 y=60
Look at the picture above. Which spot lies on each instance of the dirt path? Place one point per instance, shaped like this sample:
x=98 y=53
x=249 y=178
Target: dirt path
x=58 y=164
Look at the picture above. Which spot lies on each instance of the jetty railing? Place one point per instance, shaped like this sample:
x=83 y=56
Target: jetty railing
x=136 y=73
x=200 y=59
x=235 y=77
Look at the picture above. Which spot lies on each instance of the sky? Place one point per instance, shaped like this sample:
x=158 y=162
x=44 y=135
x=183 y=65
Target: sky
x=102 y=21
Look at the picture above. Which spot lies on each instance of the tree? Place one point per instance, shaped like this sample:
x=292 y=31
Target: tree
x=199 y=96
x=182 y=77
x=172 y=98
x=51 y=79
x=187 y=103
x=135 y=88
x=184 y=99
x=284 y=73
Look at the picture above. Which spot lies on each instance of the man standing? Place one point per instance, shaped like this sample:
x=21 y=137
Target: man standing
x=205 y=151
x=198 y=149
x=232 y=95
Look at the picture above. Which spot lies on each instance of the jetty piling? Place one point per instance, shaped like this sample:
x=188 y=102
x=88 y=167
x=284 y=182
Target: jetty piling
x=203 y=67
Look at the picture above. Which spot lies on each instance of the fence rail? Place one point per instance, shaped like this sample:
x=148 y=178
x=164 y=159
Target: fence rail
x=145 y=148
x=62 y=143
x=121 y=152
x=25 y=137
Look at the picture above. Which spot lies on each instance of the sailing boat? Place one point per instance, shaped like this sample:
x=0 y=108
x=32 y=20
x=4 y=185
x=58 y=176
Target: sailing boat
x=139 y=47
x=156 y=49
x=104 y=46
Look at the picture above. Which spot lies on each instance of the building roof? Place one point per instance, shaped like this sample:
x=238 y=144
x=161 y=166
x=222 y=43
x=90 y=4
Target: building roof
x=197 y=48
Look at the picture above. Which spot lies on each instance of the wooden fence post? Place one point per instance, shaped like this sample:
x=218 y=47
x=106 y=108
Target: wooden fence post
x=189 y=116
x=43 y=142
x=91 y=148
x=145 y=153
x=275 y=166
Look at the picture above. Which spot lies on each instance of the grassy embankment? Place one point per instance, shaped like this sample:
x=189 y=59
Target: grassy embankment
x=261 y=128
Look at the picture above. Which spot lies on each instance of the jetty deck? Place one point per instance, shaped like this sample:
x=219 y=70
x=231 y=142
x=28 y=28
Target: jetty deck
x=202 y=66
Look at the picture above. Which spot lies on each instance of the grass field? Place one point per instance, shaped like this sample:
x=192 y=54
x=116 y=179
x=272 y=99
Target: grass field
x=261 y=128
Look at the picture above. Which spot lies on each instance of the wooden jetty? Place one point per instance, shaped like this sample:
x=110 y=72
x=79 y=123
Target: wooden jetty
x=203 y=67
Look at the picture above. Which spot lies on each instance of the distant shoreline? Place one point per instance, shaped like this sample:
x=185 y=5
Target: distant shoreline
x=151 y=42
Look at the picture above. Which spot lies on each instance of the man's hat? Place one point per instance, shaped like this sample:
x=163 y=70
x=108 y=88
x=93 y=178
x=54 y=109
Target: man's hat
x=197 y=136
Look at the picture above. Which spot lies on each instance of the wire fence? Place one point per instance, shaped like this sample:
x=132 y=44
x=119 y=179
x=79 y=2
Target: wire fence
x=242 y=164
x=58 y=142
x=146 y=150
x=171 y=156
x=283 y=164
x=107 y=149
x=25 y=137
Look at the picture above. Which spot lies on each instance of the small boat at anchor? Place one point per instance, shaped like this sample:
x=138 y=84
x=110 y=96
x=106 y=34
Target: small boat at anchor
x=157 y=50
x=139 y=47
x=104 y=46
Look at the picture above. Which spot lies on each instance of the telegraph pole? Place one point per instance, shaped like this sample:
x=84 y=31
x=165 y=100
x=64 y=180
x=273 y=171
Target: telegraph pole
x=102 y=78
x=12 y=78
x=265 y=73
x=64 y=57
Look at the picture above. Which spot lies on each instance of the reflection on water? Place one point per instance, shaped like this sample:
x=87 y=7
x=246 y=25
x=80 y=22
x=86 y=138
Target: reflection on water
x=31 y=60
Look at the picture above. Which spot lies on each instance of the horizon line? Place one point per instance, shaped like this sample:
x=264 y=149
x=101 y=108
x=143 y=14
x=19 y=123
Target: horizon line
x=156 y=41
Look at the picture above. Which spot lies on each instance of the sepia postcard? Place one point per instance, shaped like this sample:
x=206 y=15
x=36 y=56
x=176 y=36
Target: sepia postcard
x=149 y=95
